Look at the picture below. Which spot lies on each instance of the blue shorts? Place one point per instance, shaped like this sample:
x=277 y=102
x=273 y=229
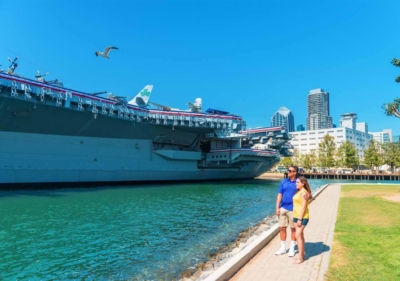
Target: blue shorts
x=303 y=221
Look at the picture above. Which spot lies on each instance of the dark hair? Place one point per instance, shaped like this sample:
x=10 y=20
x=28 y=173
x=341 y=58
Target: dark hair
x=304 y=181
x=296 y=168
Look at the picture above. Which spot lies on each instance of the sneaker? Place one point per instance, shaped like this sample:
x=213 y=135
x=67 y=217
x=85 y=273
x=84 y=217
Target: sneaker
x=280 y=252
x=291 y=253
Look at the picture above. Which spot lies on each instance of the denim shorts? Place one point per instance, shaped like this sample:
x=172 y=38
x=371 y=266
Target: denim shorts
x=303 y=221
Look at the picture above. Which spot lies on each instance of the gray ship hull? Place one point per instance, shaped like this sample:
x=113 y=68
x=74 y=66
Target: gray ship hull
x=41 y=142
x=38 y=158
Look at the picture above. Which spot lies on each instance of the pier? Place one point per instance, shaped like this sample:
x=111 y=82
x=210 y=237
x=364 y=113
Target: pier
x=352 y=176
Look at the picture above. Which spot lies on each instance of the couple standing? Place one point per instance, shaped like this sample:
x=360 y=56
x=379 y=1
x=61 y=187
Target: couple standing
x=292 y=209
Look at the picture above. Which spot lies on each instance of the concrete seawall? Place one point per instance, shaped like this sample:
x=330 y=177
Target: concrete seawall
x=233 y=265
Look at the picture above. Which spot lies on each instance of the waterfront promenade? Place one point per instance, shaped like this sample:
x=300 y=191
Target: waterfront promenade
x=319 y=236
x=259 y=263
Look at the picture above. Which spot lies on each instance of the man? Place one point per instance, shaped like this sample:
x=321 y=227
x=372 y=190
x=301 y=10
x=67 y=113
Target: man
x=284 y=210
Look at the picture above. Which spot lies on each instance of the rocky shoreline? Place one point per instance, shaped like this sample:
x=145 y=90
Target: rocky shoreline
x=204 y=269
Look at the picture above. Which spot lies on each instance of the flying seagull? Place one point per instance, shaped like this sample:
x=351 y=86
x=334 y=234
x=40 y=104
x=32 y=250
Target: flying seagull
x=106 y=51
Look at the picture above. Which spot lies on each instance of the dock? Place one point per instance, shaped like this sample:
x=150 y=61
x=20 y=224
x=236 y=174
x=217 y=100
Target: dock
x=352 y=176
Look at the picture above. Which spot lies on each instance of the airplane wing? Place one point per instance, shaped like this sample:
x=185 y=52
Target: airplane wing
x=98 y=93
x=163 y=107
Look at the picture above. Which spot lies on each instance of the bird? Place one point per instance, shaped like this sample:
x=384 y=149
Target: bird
x=106 y=51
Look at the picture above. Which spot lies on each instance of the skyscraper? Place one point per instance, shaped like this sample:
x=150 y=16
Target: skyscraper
x=283 y=117
x=300 y=127
x=318 y=110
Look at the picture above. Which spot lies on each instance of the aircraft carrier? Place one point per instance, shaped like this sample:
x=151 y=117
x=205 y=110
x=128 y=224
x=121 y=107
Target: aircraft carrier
x=52 y=134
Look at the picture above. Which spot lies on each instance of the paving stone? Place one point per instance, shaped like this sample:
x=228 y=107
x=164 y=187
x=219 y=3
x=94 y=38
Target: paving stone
x=318 y=235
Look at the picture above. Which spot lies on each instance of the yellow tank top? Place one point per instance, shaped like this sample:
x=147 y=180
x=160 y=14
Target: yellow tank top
x=297 y=204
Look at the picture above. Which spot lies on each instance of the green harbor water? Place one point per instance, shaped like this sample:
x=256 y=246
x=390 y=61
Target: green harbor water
x=152 y=232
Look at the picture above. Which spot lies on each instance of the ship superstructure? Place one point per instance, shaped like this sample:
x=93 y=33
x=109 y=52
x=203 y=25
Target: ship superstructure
x=49 y=133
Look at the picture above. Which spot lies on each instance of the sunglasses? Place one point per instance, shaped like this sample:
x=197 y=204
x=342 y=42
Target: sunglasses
x=291 y=171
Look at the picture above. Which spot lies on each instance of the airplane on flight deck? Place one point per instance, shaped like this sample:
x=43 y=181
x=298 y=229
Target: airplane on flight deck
x=142 y=98
x=194 y=107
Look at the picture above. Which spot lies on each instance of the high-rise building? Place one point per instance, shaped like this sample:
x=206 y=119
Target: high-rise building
x=390 y=134
x=362 y=127
x=396 y=138
x=383 y=137
x=308 y=141
x=348 y=120
x=283 y=117
x=300 y=128
x=318 y=110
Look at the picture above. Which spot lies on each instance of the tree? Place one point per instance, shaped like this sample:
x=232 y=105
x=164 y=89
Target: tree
x=326 y=152
x=392 y=108
x=372 y=156
x=340 y=157
x=347 y=155
x=396 y=63
x=286 y=161
x=296 y=158
x=391 y=154
x=300 y=160
x=309 y=160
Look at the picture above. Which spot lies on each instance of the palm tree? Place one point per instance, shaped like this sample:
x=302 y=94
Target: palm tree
x=392 y=108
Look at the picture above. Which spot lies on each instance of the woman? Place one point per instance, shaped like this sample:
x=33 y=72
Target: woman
x=300 y=214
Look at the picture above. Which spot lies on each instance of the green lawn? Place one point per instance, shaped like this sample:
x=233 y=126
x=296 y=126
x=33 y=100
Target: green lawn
x=366 y=243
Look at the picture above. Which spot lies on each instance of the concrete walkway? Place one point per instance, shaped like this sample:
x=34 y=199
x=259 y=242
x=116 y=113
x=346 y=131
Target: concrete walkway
x=318 y=235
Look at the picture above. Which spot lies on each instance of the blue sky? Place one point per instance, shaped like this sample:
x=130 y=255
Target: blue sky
x=245 y=57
